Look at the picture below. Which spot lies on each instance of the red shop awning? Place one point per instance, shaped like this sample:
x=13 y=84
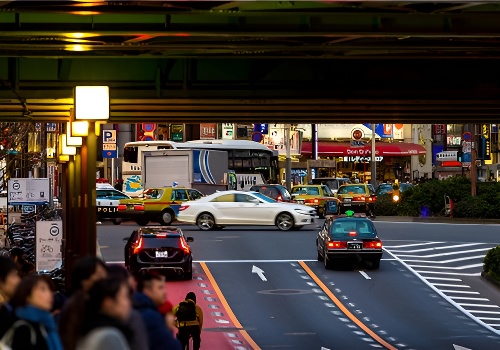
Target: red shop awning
x=451 y=163
x=344 y=149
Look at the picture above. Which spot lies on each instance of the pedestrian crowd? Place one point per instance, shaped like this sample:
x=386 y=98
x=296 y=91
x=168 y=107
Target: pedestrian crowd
x=106 y=309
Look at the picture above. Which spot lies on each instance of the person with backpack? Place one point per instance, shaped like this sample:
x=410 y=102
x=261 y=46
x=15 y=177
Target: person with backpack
x=189 y=318
x=9 y=280
x=35 y=328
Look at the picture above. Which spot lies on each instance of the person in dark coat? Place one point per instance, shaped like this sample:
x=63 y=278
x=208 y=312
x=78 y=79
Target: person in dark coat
x=151 y=294
x=35 y=328
x=9 y=280
x=139 y=340
x=86 y=272
x=106 y=311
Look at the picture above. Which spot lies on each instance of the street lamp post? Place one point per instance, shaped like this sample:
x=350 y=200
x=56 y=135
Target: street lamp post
x=91 y=104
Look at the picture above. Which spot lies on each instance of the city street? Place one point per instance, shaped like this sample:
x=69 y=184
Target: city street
x=427 y=294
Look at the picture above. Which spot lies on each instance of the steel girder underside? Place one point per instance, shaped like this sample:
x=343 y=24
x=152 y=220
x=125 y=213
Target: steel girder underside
x=247 y=61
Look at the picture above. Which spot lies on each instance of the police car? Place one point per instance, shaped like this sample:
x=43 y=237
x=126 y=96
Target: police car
x=107 y=200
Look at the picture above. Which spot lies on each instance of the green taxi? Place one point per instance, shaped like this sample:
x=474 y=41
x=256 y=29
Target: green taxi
x=160 y=204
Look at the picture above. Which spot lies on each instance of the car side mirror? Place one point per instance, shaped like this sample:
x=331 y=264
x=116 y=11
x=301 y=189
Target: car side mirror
x=255 y=201
x=189 y=239
x=125 y=239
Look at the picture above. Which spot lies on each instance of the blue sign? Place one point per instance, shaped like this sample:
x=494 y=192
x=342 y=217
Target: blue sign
x=467 y=158
x=262 y=128
x=110 y=153
x=383 y=130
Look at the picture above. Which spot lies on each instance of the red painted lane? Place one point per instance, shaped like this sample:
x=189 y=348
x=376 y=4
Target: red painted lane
x=219 y=329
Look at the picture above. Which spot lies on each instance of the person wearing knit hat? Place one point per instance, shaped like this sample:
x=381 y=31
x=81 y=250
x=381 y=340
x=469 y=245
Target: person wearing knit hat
x=189 y=317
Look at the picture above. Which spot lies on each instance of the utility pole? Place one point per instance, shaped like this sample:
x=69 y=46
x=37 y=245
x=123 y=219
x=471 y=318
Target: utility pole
x=473 y=169
x=373 y=159
x=288 y=170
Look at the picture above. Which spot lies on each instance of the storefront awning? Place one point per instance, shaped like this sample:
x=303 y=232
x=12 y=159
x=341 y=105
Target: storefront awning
x=451 y=163
x=384 y=149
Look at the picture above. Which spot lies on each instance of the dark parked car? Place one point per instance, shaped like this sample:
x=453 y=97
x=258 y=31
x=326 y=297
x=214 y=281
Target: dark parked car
x=349 y=238
x=162 y=248
x=277 y=192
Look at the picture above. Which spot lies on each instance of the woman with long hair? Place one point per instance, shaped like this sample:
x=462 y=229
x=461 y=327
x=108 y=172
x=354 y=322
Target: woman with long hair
x=35 y=328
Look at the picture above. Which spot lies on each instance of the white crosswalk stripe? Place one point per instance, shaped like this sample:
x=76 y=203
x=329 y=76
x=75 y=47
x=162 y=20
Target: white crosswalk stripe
x=443 y=265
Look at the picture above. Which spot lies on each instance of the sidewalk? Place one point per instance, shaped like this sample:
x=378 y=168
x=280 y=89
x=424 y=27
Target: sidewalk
x=437 y=220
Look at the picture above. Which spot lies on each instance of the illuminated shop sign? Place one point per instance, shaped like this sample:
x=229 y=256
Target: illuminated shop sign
x=360 y=159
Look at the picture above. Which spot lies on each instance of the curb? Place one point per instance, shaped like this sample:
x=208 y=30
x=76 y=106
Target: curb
x=437 y=220
x=490 y=279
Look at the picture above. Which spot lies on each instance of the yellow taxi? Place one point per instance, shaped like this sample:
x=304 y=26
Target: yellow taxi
x=160 y=204
x=357 y=197
x=313 y=196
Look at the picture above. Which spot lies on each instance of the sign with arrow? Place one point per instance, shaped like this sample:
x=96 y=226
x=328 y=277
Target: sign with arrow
x=259 y=272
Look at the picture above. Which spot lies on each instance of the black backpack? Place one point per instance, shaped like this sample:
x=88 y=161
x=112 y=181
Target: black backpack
x=186 y=311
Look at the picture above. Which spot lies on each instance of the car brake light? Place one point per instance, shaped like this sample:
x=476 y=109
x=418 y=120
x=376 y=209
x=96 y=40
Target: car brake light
x=139 y=207
x=139 y=246
x=371 y=199
x=161 y=235
x=185 y=246
x=353 y=233
x=373 y=245
x=122 y=207
x=314 y=201
x=336 y=244
x=183 y=207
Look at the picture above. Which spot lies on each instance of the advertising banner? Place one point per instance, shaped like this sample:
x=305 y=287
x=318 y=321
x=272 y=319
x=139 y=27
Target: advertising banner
x=49 y=235
x=208 y=131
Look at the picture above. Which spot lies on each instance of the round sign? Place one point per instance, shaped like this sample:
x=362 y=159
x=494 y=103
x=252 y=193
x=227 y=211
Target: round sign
x=149 y=127
x=54 y=231
x=16 y=185
x=467 y=136
x=357 y=134
x=257 y=136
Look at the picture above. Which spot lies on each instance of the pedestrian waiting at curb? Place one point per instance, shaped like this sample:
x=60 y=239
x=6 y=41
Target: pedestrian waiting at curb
x=34 y=328
x=9 y=280
x=107 y=310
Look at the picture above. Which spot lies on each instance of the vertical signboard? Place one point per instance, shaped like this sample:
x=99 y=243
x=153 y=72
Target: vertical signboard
x=486 y=142
x=49 y=236
x=397 y=130
x=109 y=144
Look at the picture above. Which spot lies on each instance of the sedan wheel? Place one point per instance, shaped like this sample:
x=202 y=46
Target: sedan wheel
x=205 y=221
x=166 y=217
x=284 y=221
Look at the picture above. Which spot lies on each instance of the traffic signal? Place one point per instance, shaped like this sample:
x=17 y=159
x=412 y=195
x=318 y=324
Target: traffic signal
x=396 y=195
x=460 y=155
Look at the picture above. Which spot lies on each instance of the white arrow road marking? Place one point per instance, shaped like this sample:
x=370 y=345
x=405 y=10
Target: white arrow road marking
x=323 y=348
x=458 y=347
x=365 y=275
x=259 y=272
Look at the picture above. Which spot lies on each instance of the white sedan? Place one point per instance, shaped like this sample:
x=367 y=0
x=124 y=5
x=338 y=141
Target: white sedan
x=244 y=208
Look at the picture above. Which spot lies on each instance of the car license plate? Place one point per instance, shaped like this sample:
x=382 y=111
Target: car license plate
x=162 y=254
x=347 y=200
x=300 y=201
x=354 y=245
x=130 y=206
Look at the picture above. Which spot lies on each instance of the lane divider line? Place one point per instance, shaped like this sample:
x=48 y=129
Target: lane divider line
x=229 y=311
x=346 y=312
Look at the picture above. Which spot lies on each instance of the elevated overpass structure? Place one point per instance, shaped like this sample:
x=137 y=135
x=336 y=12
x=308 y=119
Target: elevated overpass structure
x=272 y=61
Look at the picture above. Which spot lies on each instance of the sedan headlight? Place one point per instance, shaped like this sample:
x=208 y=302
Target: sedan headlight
x=302 y=211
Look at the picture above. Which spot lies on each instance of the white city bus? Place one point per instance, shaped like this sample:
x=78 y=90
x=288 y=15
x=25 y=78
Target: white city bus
x=251 y=162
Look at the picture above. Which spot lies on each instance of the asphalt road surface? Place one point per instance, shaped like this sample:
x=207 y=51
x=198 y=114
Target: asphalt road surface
x=427 y=294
